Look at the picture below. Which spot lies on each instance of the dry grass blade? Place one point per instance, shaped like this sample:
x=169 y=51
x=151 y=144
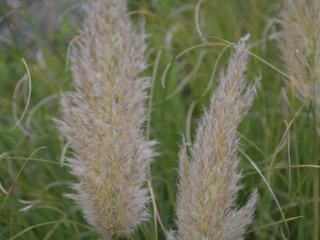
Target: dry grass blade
x=18 y=122
x=269 y=188
x=18 y=175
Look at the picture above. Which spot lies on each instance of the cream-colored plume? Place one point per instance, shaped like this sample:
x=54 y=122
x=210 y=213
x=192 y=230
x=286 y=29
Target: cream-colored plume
x=300 y=46
x=104 y=117
x=209 y=179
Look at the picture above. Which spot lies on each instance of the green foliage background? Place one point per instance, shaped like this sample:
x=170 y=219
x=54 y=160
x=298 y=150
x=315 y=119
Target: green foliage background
x=278 y=135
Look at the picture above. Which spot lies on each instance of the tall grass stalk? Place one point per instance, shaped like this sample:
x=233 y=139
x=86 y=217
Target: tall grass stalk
x=300 y=46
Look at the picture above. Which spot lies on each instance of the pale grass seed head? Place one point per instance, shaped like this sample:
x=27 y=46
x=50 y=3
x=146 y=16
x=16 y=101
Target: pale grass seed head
x=300 y=46
x=209 y=177
x=103 y=120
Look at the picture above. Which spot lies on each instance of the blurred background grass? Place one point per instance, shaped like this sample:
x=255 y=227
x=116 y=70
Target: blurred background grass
x=278 y=135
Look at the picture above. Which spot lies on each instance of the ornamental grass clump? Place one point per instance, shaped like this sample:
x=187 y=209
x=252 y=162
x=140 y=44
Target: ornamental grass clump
x=209 y=177
x=103 y=120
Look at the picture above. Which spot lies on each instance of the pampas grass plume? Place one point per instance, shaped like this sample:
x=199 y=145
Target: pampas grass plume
x=103 y=120
x=300 y=46
x=209 y=179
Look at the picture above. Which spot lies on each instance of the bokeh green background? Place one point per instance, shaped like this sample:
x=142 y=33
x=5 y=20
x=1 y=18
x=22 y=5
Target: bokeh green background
x=278 y=134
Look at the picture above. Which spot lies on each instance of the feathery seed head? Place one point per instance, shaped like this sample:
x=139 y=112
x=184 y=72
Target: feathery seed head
x=209 y=180
x=103 y=120
x=300 y=46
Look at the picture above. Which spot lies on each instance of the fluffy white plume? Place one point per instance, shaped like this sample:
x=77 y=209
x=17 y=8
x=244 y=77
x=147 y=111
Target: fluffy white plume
x=209 y=180
x=300 y=46
x=103 y=120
